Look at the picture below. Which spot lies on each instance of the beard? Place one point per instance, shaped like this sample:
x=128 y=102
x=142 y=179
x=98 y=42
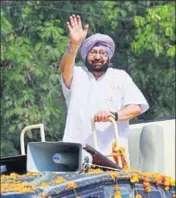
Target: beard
x=93 y=68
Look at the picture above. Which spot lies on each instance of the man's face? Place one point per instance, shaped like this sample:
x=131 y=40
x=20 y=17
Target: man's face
x=97 y=60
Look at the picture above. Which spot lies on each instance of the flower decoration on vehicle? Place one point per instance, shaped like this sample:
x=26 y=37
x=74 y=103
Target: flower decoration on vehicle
x=21 y=184
x=94 y=170
x=117 y=193
x=72 y=185
x=119 y=156
x=113 y=174
x=146 y=185
x=138 y=196
x=134 y=178
x=58 y=180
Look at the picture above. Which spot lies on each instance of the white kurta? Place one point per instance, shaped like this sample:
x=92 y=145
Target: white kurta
x=112 y=91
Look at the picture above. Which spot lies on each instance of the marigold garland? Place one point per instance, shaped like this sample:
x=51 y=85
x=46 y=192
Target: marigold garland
x=146 y=184
x=114 y=175
x=117 y=194
x=166 y=183
x=94 y=171
x=157 y=178
x=17 y=187
x=11 y=183
x=119 y=156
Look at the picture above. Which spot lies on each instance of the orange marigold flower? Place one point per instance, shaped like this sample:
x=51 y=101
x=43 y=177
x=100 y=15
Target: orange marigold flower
x=59 y=180
x=158 y=182
x=114 y=145
x=43 y=185
x=166 y=183
x=134 y=178
x=43 y=195
x=119 y=156
x=114 y=175
x=72 y=185
x=166 y=188
x=117 y=195
x=148 y=189
x=138 y=196
x=146 y=184
x=126 y=168
x=13 y=175
x=145 y=174
x=146 y=179
x=157 y=178
x=116 y=157
x=93 y=171
x=116 y=187
x=172 y=181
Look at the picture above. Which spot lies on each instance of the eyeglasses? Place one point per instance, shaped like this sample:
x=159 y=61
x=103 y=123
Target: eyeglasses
x=101 y=53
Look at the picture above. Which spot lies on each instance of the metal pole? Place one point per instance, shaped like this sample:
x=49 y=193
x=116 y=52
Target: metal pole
x=42 y=134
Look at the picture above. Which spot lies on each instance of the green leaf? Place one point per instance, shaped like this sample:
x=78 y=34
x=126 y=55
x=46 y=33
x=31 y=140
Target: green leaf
x=171 y=51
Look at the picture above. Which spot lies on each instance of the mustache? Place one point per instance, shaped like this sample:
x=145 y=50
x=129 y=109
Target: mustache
x=100 y=63
x=92 y=67
x=97 y=62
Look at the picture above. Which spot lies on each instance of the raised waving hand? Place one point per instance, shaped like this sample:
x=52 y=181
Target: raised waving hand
x=77 y=32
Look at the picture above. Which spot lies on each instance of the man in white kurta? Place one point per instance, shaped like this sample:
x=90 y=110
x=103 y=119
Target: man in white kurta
x=113 y=91
x=96 y=91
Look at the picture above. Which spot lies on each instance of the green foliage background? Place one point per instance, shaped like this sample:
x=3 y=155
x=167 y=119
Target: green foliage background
x=33 y=40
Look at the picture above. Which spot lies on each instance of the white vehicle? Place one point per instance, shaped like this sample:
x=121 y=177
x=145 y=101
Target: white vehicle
x=59 y=169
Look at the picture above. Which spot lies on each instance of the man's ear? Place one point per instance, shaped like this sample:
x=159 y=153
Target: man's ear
x=109 y=63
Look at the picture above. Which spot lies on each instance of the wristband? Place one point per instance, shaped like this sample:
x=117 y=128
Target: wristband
x=116 y=115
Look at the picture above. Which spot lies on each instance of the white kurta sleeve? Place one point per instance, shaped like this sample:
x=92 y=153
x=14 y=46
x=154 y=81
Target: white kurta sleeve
x=67 y=91
x=132 y=94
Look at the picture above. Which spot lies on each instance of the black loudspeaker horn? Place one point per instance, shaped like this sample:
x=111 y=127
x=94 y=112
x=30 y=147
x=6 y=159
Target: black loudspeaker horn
x=15 y=164
x=55 y=157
